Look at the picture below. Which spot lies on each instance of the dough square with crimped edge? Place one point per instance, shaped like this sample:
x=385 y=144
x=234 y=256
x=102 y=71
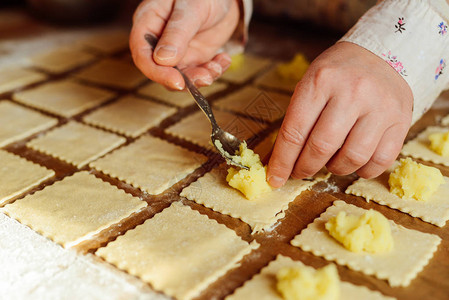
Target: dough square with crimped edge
x=197 y=129
x=411 y=252
x=419 y=147
x=64 y=98
x=107 y=42
x=150 y=164
x=250 y=67
x=61 y=60
x=434 y=211
x=179 y=251
x=263 y=285
x=178 y=98
x=76 y=143
x=251 y=101
x=272 y=80
x=14 y=78
x=113 y=73
x=74 y=209
x=18 y=122
x=18 y=175
x=130 y=115
x=214 y=192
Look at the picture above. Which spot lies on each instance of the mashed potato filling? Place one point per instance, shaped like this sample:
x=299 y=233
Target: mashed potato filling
x=295 y=69
x=439 y=143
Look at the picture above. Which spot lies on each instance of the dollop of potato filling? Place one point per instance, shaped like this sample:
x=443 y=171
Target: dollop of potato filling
x=295 y=69
x=237 y=61
x=439 y=143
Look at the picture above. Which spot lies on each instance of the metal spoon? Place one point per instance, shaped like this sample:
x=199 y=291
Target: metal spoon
x=226 y=143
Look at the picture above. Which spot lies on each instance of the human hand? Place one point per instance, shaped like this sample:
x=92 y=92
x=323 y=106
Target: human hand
x=190 y=34
x=351 y=112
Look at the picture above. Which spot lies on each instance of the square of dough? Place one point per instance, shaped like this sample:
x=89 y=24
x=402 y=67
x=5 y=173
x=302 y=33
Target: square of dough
x=179 y=251
x=214 y=192
x=419 y=147
x=14 y=78
x=150 y=164
x=272 y=80
x=412 y=249
x=76 y=143
x=107 y=42
x=251 y=101
x=63 y=98
x=197 y=129
x=17 y=122
x=113 y=73
x=178 y=98
x=74 y=209
x=18 y=175
x=435 y=210
x=61 y=60
x=263 y=285
x=130 y=115
x=445 y=120
x=250 y=67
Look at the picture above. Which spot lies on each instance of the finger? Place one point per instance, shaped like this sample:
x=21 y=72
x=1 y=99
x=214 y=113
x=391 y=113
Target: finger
x=386 y=152
x=181 y=27
x=359 y=146
x=302 y=113
x=326 y=138
x=206 y=73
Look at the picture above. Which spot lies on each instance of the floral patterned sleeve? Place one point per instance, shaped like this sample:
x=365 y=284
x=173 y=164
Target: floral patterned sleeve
x=412 y=36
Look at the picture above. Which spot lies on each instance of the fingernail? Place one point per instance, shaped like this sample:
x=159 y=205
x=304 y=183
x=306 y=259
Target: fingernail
x=178 y=86
x=203 y=81
x=276 y=181
x=166 y=52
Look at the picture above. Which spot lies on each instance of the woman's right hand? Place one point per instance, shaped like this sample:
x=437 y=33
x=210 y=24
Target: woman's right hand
x=190 y=34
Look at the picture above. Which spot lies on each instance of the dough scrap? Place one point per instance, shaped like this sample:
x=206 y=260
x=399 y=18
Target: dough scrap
x=419 y=147
x=412 y=249
x=213 y=191
x=74 y=209
x=14 y=78
x=434 y=211
x=63 y=98
x=113 y=73
x=271 y=79
x=251 y=101
x=107 y=42
x=196 y=127
x=61 y=60
x=150 y=164
x=263 y=285
x=181 y=98
x=18 y=175
x=17 y=122
x=181 y=259
x=130 y=116
x=76 y=143
x=250 y=67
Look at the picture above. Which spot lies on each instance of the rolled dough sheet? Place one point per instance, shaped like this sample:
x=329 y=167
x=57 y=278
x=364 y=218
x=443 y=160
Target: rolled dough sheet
x=64 y=98
x=272 y=80
x=17 y=122
x=435 y=210
x=107 y=42
x=181 y=98
x=263 y=285
x=18 y=175
x=214 y=192
x=76 y=143
x=412 y=249
x=196 y=127
x=419 y=147
x=182 y=258
x=61 y=60
x=33 y=267
x=130 y=116
x=250 y=67
x=113 y=73
x=14 y=78
x=74 y=209
x=150 y=164
x=251 y=101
